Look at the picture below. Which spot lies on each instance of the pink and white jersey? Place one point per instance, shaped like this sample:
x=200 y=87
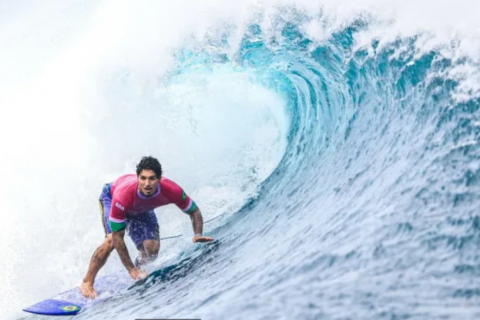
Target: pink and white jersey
x=128 y=201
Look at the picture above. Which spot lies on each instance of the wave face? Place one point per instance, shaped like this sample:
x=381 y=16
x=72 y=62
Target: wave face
x=358 y=170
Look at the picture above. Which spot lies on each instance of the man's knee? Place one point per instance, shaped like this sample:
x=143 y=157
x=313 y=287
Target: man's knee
x=151 y=247
x=108 y=243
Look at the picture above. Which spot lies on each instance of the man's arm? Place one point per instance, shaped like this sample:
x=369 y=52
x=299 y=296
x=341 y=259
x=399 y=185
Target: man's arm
x=176 y=195
x=121 y=247
x=119 y=244
x=197 y=223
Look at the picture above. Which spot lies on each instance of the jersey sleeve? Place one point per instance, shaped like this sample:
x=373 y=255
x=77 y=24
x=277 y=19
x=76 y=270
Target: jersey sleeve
x=118 y=215
x=178 y=196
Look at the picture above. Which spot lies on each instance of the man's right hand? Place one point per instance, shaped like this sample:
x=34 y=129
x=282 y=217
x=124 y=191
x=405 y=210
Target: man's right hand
x=138 y=274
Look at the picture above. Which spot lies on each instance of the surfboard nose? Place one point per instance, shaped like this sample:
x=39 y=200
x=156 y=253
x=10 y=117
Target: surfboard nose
x=53 y=307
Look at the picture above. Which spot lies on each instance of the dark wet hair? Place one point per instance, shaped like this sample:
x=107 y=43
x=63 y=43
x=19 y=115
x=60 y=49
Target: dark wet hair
x=150 y=163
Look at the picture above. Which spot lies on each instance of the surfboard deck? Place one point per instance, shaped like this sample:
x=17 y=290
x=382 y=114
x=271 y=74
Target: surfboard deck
x=71 y=302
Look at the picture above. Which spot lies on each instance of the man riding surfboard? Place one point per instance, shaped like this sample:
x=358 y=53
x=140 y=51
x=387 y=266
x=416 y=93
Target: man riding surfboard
x=127 y=204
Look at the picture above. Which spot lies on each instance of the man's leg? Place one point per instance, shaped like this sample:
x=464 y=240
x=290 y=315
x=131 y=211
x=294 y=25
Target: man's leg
x=98 y=260
x=102 y=253
x=149 y=252
x=144 y=231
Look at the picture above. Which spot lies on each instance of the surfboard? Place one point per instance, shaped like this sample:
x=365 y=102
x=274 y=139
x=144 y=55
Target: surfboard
x=71 y=302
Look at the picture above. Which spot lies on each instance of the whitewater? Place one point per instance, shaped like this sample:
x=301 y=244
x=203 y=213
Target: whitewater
x=332 y=146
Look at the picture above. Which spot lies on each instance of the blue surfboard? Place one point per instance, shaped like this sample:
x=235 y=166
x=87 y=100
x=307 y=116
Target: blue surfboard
x=71 y=302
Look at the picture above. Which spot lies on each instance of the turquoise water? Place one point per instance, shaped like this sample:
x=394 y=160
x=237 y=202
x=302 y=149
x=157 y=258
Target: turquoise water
x=372 y=212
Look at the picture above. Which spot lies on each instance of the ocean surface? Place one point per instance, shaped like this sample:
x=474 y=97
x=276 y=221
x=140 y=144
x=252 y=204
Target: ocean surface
x=332 y=147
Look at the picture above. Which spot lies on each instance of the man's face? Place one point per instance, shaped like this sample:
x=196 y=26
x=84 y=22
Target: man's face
x=147 y=182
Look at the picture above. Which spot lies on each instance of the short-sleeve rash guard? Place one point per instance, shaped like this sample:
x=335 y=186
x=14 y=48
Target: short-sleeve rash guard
x=128 y=201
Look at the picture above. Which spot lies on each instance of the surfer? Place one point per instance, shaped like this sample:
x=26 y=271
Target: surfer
x=127 y=204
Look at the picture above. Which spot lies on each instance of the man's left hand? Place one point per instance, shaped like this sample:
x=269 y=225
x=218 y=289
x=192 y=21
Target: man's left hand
x=202 y=239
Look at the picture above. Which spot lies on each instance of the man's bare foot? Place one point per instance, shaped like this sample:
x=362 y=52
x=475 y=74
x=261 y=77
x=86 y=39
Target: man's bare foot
x=87 y=290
